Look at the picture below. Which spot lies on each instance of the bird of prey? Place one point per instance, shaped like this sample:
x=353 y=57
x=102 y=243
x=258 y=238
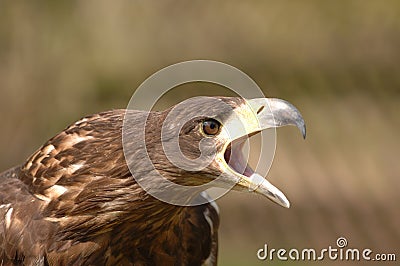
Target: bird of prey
x=76 y=201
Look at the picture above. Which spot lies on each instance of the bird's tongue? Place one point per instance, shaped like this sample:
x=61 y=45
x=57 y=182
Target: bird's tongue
x=237 y=160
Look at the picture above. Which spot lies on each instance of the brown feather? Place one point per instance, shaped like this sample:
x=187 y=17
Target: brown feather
x=75 y=202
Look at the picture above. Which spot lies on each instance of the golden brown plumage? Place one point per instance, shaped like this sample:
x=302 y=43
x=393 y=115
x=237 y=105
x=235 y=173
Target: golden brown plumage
x=75 y=201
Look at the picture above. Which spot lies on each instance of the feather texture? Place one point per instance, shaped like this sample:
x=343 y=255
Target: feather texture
x=75 y=202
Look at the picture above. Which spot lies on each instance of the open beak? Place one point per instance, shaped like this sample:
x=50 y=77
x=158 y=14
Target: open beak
x=257 y=115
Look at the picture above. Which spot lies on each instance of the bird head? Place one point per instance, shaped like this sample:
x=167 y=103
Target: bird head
x=198 y=144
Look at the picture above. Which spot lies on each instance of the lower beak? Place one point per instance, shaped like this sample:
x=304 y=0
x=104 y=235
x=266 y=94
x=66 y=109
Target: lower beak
x=258 y=184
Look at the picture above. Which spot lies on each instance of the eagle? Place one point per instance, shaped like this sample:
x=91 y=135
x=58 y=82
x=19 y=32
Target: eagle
x=79 y=199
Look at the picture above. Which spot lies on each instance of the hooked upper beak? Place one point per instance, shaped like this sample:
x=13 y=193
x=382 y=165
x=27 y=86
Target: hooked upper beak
x=276 y=113
x=260 y=114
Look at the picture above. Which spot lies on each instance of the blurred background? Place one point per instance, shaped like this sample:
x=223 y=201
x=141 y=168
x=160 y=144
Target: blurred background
x=337 y=61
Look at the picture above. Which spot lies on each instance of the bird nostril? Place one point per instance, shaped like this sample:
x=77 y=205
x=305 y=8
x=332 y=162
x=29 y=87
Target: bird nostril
x=260 y=109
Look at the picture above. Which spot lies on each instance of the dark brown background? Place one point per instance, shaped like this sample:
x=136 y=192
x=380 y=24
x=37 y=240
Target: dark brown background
x=337 y=61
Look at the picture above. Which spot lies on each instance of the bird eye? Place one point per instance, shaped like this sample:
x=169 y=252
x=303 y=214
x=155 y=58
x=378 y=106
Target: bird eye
x=211 y=127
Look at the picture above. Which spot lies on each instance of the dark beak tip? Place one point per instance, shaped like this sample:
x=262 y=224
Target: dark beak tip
x=304 y=131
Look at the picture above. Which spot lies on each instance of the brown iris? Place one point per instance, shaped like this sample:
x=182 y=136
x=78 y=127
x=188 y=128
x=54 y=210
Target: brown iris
x=211 y=127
